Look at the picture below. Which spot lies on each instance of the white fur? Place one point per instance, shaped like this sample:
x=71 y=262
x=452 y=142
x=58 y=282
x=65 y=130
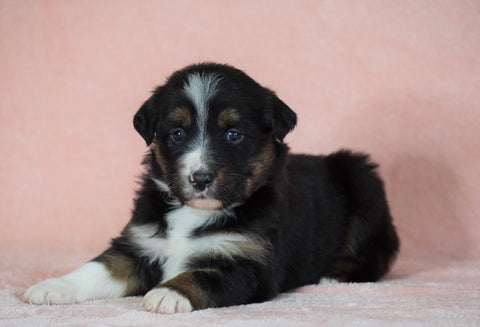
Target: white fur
x=90 y=281
x=193 y=161
x=200 y=88
x=174 y=250
x=164 y=300
x=328 y=281
x=161 y=185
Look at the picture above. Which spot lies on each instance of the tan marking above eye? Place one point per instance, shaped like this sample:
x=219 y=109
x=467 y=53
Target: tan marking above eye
x=228 y=117
x=181 y=116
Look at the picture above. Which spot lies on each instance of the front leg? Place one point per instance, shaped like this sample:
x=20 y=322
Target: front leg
x=204 y=288
x=91 y=281
x=113 y=274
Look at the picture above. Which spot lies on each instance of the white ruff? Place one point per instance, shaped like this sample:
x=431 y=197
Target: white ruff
x=175 y=249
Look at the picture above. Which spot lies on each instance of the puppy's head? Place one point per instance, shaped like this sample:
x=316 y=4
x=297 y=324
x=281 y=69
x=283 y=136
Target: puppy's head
x=215 y=134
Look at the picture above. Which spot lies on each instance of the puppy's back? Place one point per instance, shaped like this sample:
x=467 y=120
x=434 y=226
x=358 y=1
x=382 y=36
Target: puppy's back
x=341 y=198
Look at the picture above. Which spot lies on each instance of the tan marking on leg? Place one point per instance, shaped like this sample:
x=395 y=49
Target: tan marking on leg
x=122 y=268
x=343 y=267
x=189 y=285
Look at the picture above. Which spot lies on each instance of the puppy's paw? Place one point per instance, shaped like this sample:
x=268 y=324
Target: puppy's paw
x=165 y=300
x=328 y=281
x=51 y=291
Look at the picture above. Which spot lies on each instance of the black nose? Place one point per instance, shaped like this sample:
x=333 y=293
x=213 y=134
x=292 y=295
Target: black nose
x=200 y=180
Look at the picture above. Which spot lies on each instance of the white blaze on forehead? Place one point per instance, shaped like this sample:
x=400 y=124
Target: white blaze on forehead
x=199 y=89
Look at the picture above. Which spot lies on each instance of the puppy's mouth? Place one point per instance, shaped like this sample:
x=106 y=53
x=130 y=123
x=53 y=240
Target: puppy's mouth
x=204 y=202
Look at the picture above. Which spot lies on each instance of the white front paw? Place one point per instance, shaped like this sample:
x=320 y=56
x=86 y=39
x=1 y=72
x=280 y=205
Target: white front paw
x=165 y=300
x=51 y=291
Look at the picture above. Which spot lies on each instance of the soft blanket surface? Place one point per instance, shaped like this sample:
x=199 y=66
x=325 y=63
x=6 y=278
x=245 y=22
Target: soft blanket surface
x=397 y=79
x=419 y=291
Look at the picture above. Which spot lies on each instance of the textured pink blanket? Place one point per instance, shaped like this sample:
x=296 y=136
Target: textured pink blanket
x=397 y=79
x=419 y=291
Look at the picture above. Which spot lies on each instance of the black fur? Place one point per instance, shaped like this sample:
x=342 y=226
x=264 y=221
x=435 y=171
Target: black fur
x=317 y=216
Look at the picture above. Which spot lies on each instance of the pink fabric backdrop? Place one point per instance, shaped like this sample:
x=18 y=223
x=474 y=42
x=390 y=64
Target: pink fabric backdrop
x=400 y=80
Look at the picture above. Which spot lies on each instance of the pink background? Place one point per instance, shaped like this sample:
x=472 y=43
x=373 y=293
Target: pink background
x=400 y=80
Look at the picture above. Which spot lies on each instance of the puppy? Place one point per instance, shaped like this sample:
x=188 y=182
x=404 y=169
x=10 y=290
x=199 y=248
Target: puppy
x=225 y=216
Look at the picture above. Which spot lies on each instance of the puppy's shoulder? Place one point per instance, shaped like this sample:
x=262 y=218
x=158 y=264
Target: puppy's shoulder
x=304 y=164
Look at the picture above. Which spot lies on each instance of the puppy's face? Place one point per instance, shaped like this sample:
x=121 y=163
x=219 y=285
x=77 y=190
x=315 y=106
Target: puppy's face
x=214 y=132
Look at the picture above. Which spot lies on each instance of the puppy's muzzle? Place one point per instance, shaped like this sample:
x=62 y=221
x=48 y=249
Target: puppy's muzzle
x=200 y=182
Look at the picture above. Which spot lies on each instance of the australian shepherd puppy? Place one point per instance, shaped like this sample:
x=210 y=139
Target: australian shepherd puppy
x=225 y=216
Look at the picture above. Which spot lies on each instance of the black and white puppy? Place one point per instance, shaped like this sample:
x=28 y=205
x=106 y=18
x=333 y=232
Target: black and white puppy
x=225 y=216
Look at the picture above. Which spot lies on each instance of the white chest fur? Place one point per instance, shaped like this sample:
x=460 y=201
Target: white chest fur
x=177 y=247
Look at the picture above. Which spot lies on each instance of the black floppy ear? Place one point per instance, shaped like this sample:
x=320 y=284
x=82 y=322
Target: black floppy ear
x=280 y=117
x=144 y=122
x=146 y=119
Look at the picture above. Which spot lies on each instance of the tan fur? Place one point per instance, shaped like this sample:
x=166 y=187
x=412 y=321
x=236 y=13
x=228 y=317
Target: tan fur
x=247 y=246
x=343 y=266
x=181 y=116
x=189 y=286
x=259 y=165
x=122 y=269
x=257 y=249
x=350 y=247
x=205 y=204
x=158 y=157
x=223 y=176
x=227 y=118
